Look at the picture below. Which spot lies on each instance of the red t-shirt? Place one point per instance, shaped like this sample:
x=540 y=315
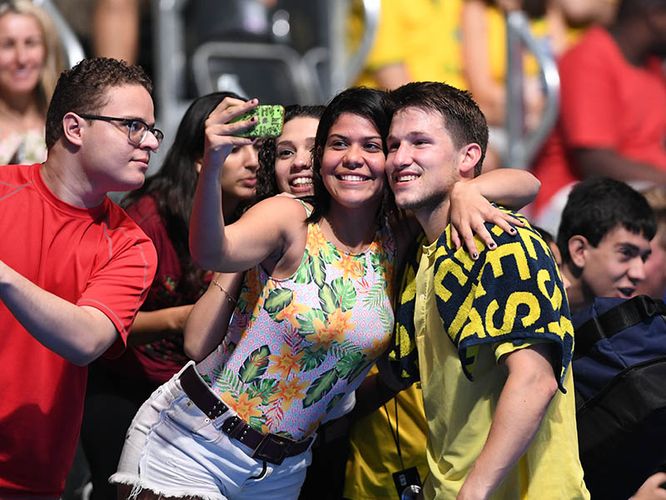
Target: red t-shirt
x=605 y=103
x=95 y=257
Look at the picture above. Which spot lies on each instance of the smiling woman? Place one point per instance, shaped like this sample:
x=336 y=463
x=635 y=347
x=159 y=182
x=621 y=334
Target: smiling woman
x=30 y=61
x=310 y=320
x=286 y=161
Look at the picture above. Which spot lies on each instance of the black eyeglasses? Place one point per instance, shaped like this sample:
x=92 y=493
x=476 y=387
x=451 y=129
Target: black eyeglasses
x=136 y=129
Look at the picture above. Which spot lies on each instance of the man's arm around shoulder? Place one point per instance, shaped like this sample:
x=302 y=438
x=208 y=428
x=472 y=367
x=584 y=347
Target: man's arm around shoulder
x=529 y=388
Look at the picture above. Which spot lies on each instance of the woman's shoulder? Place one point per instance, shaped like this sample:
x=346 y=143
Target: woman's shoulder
x=283 y=204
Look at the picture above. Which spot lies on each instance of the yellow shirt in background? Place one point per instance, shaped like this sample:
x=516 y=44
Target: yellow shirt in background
x=497 y=43
x=373 y=455
x=423 y=34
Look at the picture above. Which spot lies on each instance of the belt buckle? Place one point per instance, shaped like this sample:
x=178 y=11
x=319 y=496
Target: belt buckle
x=280 y=446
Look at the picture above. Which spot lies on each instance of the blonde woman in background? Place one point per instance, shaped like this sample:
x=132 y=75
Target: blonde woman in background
x=30 y=61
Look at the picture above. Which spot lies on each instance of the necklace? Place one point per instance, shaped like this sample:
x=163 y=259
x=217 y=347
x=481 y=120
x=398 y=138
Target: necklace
x=347 y=249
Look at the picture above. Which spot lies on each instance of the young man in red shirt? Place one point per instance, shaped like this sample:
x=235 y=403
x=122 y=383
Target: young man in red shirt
x=74 y=268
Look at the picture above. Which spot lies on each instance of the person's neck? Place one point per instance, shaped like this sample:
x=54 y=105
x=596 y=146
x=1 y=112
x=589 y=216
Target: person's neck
x=353 y=229
x=634 y=43
x=577 y=295
x=434 y=220
x=19 y=107
x=62 y=175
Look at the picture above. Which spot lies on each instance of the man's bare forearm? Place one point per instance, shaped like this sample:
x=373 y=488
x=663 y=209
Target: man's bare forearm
x=79 y=334
x=524 y=400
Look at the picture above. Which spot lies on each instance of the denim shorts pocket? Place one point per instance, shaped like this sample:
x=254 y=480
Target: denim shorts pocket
x=186 y=416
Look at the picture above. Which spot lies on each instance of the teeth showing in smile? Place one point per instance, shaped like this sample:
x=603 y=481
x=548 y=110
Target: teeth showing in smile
x=352 y=178
x=302 y=181
x=405 y=178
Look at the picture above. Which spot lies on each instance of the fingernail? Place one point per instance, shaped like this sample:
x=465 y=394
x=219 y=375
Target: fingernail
x=492 y=245
x=475 y=256
x=512 y=231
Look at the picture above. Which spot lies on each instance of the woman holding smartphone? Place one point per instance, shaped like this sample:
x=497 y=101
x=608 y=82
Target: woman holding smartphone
x=313 y=314
x=161 y=207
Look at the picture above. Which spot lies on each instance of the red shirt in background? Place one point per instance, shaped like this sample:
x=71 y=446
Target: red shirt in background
x=158 y=361
x=605 y=103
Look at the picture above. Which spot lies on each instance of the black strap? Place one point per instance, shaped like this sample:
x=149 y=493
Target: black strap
x=624 y=315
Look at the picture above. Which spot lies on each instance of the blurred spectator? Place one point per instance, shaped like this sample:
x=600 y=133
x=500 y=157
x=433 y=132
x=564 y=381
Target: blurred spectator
x=30 y=61
x=120 y=29
x=485 y=59
x=417 y=40
x=484 y=51
x=588 y=12
x=78 y=14
x=116 y=29
x=654 y=284
x=613 y=107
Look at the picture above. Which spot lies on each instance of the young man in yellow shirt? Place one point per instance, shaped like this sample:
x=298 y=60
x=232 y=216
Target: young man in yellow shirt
x=492 y=330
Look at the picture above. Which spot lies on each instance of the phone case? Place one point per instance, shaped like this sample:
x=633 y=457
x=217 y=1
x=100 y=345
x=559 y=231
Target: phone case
x=270 y=118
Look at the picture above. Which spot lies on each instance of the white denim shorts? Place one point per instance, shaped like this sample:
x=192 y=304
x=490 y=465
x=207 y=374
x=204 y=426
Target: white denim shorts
x=174 y=450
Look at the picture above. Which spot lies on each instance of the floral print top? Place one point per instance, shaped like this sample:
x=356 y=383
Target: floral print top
x=297 y=346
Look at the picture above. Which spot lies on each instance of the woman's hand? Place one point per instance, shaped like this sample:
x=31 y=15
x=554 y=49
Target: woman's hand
x=221 y=132
x=469 y=212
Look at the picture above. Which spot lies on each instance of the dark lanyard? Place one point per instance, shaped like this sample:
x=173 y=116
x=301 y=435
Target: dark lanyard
x=395 y=433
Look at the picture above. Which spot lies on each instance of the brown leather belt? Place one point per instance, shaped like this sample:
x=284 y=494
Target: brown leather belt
x=269 y=447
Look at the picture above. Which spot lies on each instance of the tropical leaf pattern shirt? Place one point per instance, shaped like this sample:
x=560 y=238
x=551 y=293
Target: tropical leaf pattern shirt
x=297 y=346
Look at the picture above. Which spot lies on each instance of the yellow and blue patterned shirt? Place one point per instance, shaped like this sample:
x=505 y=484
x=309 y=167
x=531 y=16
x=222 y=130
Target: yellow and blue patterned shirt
x=467 y=315
x=514 y=293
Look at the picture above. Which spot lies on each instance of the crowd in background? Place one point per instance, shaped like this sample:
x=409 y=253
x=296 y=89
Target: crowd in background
x=612 y=123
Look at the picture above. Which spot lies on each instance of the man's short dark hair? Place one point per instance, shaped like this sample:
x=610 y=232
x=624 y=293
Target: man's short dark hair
x=462 y=116
x=596 y=206
x=83 y=89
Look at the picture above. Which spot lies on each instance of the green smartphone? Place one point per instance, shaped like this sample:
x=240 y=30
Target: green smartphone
x=270 y=118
